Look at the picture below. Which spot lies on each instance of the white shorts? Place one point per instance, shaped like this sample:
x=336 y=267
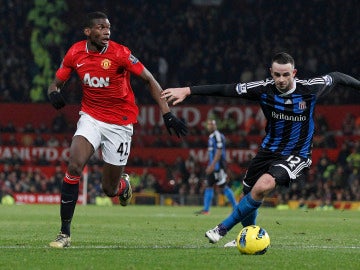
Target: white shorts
x=114 y=140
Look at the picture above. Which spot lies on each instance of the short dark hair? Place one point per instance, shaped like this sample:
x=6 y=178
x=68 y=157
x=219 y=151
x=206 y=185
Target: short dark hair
x=283 y=58
x=90 y=17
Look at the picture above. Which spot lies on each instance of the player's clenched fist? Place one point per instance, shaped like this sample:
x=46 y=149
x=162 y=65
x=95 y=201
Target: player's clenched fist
x=177 y=125
x=56 y=99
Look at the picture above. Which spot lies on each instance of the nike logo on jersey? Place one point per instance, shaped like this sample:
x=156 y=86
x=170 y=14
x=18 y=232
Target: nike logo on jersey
x=65 y=202
x=79 y=65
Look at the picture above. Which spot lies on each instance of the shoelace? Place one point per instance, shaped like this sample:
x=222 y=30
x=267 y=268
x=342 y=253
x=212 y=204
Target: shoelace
x=60 y=237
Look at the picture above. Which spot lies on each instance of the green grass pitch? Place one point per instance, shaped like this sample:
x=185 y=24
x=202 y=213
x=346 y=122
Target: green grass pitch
x=160 y=237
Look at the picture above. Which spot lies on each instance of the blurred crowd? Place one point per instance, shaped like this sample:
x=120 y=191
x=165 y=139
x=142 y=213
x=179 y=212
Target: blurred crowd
x=327 y=180
x=184 y=43
x=330 y=179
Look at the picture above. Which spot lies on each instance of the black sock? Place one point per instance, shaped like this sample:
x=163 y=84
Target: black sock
x=69 y=197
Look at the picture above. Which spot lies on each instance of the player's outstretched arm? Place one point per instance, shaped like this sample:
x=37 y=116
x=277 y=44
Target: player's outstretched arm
x=175 y=95
x=346 y=80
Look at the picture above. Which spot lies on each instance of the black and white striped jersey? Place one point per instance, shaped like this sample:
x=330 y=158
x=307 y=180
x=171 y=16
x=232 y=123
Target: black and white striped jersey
x=217 y=141
x=290 y=122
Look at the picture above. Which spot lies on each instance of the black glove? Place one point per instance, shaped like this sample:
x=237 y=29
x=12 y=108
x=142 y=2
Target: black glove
x=57 y=100
x=171 y=122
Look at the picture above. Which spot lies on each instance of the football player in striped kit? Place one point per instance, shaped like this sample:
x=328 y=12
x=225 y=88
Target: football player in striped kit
x=288 y=104
x=216 y=170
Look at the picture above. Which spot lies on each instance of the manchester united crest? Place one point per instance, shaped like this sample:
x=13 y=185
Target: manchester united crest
x=105 y=64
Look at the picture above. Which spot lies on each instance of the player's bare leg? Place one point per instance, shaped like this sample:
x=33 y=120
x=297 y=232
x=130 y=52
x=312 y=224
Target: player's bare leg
x=113 y=187
x=80 y=151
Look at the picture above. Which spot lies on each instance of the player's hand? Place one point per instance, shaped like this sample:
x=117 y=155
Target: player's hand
x=56 y=100
x=178 y=126
x=175 y=95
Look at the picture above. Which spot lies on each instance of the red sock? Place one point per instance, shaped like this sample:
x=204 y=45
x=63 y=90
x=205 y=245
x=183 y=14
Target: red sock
x=122 y=186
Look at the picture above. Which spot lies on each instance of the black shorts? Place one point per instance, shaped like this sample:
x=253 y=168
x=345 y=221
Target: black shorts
x=284 y=169
x=217 y=178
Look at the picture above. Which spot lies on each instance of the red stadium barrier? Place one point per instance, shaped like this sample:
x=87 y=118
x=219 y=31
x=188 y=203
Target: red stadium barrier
x=149 y=115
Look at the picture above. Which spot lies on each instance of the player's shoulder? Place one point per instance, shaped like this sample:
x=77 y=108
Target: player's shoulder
x=217 y=133
x=117 y=47
x=78 y=46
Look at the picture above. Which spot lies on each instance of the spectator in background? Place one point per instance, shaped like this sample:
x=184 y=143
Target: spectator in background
x=251 y=126
x=9 y=128
x=242 y=142
x=59 y=124
x=6 y=97
x=348 y=124
x=58 y=176
x=353 y=160
x=27 y=139
x=323 y=162
x=28 y=128
x=65 y=142
x=343 y=153
x=42 y=160
x=321 y=124
x=52 y=142
x=39 y=141
x=43 y=128
x=231 y=123
x=11 y=140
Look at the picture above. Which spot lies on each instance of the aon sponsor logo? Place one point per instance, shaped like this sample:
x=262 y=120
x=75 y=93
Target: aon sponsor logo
x=95 y=81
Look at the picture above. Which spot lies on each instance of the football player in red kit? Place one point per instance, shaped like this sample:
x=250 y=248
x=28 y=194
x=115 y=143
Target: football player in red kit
x=108 y=112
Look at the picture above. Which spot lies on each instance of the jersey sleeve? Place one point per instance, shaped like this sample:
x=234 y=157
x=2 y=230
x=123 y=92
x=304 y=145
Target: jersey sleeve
x=130 y=62
x=223 y=90
x=66 y=67
x=334 y=79
x=344 y=79
x=250 y=91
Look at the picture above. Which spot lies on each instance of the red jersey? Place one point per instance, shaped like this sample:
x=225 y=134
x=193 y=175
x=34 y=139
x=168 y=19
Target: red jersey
x=105 y=75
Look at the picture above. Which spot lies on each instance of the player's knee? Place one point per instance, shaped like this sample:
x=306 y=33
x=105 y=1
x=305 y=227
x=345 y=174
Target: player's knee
x=263 y=186
x=269 y=187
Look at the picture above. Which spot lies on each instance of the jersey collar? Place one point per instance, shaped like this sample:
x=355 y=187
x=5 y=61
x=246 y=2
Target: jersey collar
x=288 y=92
x=101 y=52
